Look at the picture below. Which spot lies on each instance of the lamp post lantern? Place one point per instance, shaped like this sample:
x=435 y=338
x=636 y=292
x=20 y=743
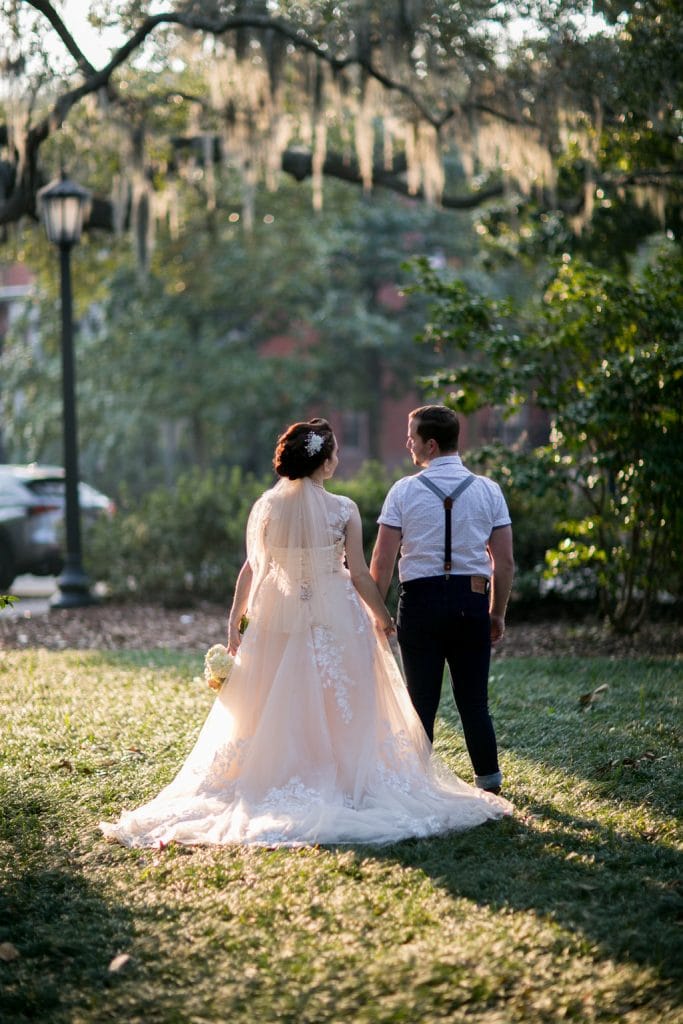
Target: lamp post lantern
x=64 y=206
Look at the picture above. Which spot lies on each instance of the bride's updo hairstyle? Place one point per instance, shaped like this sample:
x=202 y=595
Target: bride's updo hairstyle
x=303 y=448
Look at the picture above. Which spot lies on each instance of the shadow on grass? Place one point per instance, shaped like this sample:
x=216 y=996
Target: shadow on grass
x=65 y=931
x=619 y=894
x=622 y=740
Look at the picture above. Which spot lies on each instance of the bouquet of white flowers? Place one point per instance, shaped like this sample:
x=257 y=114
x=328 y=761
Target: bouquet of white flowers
x=218 y=663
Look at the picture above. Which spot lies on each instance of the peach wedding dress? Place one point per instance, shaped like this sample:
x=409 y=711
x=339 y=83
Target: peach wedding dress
x=313 y=739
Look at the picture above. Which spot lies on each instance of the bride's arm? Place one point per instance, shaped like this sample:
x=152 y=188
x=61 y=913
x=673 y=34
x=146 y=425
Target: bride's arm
x=383 y=559
x=239 y=607
x=360 y=574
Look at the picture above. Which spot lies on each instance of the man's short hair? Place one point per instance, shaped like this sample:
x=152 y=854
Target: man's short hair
x=437 y=423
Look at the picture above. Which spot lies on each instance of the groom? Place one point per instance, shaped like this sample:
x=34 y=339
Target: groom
x=456 y=567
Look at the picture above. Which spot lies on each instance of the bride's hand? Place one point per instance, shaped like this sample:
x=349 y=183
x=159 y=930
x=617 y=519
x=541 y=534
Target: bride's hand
x=234 y=638
x=387 y=628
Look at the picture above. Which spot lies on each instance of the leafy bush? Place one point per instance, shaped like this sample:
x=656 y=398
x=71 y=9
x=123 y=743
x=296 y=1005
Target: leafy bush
x=536 y=502
x=177 y=544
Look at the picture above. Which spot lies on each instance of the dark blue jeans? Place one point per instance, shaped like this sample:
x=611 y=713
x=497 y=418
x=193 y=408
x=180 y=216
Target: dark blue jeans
x=441 y=620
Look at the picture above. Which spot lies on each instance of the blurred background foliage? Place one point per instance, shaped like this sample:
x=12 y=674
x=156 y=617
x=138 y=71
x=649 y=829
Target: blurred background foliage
x=227 y=338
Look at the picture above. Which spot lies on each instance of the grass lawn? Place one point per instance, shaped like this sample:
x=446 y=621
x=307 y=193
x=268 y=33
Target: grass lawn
x=569 y=911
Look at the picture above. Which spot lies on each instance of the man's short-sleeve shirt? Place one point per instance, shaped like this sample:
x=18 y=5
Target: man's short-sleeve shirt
x=419 y=514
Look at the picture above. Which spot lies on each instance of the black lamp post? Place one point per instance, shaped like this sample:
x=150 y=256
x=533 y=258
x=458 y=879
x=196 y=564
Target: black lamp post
x=64 y=206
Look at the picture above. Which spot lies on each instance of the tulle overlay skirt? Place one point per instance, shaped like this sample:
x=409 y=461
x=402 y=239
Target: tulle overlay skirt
x=312 y=740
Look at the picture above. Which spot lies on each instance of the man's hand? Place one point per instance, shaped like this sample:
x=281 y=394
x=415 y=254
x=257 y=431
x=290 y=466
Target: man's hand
x=497 y=628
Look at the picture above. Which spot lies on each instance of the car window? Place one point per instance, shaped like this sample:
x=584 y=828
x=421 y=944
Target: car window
x=47 y=488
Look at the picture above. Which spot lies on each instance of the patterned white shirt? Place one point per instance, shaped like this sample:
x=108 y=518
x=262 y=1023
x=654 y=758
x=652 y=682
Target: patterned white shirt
x=419 y=514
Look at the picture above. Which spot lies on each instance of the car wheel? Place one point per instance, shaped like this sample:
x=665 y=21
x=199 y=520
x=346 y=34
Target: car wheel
x=7 y=566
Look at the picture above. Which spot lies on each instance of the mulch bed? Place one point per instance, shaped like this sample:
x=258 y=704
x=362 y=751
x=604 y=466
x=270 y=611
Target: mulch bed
x=135 y=627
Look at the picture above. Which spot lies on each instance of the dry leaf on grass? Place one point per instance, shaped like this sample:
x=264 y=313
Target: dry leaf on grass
x=586 y=700
x=119 y=962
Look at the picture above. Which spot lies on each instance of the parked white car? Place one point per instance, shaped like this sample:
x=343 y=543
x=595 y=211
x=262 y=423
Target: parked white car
x=32 y=502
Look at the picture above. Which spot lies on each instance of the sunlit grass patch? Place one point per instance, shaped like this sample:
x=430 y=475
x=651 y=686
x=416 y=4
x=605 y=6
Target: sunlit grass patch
x=568 y=911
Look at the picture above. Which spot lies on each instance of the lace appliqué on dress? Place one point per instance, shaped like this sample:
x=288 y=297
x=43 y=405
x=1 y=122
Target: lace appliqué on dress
x=328 y=659
x=341 y=518
x=338 y=523
x=226 y=762
x=400 y=768
x=294 y=794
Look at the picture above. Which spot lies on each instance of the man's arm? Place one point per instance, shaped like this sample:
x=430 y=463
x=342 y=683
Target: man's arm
x=384 y=557
x=500 y=550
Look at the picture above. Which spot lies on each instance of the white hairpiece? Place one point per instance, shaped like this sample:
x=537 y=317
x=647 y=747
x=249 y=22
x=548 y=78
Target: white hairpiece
x=314 y=443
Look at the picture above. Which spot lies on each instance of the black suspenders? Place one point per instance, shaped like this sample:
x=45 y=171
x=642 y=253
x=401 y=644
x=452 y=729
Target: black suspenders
x=448 y=500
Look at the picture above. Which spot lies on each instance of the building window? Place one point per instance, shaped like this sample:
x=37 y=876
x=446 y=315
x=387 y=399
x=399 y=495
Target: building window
x=354 y=429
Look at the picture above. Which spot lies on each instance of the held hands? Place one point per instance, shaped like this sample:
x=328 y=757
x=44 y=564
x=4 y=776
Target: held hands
x=386 y=627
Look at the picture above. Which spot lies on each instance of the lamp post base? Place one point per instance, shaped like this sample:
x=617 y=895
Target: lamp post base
x=73 y=590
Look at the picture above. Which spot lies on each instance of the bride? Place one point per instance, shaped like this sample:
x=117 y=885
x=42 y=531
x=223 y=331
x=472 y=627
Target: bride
x=313 y=739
